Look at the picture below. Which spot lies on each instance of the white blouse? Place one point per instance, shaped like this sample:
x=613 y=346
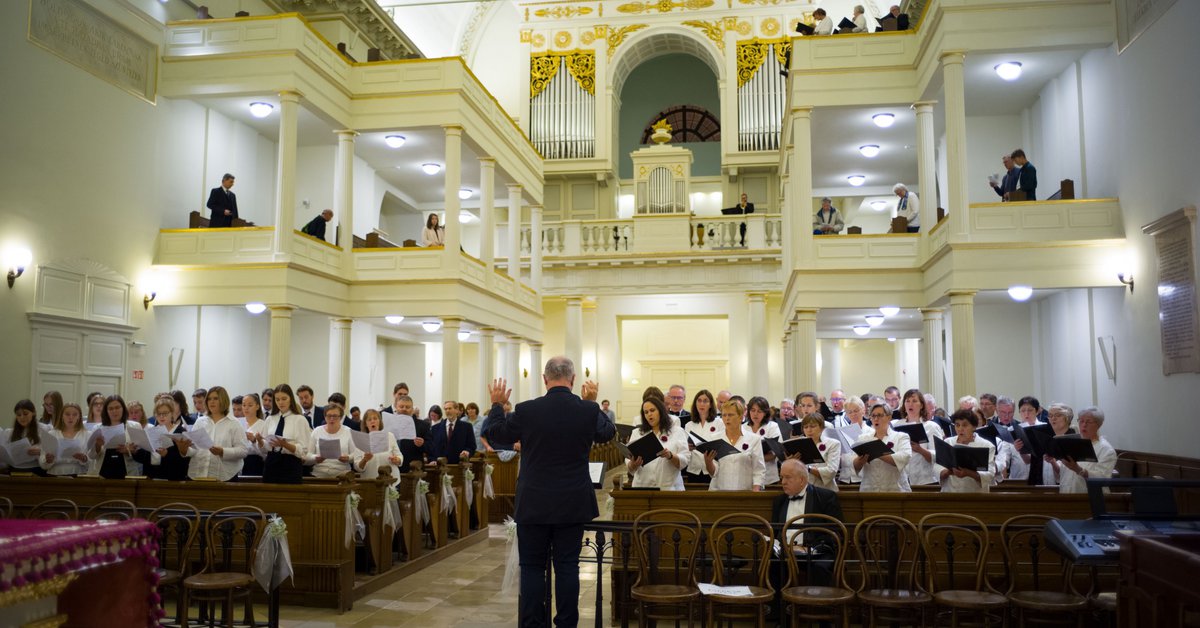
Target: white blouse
x=707 y=431
x=260 y=428
x=879 y=476
x=370 y=470
x=132 y=467
x=831 y=451
x=434 y=237
x=742 y=471
x=1106 y=461
x=68 y=465
x=661 y=472
x=769 y=429
x=295 y=431
x=227 y=434
x=968 y=484
x=920 y=470
x=331 y=468
x=853 y=432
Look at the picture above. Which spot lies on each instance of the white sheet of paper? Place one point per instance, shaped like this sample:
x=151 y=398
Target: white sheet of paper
x=401 y=425
x=141 y=439
x=48 y=444
x=362 y=440
x=329 y=448
x=379 y=443
x=596 y=470
x=68 y=447
x=200 y=438
x=5 y=459
x=113 y=435
x=158 y=436
x=712 y=589
x=91 y=427
x=18 y=451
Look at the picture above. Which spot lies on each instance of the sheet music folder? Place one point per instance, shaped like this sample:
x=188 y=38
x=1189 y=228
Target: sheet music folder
x=916 y=431
x=872 y=449
x=960 y=456
x=721 y=447
x=808 y=450
x=646 y=448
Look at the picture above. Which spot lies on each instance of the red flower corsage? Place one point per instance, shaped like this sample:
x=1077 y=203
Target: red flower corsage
x=745 y=446
x=762 y=431
x=712 y=429
x=664 y=438
x=822 y=447
x=889 y=444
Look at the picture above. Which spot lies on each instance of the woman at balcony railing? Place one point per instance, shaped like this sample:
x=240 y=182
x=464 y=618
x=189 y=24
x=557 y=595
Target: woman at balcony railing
x=434 y=234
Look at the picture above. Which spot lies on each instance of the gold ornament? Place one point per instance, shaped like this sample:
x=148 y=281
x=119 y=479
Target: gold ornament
x=526 y=35
x=539 y=40
x=743 y=28
x=662 y=132
x=770 y=26
x=750 y=57
x=563 y=12
x=543 y=67
x=713 y=30
x=562 y=39
x=617 y=35
x=587 y=38
x=664 y=6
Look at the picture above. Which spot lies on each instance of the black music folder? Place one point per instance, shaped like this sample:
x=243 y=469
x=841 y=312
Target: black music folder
x=772 y=446
x=989 y=432
x=808 y=450
x=960 y=456
x=1041 y=437
x=720 y=446
x=1073 y=446
x=845 y=26
x=872 y=449
x=646 y=448
x=916 y=431
x=805 y=29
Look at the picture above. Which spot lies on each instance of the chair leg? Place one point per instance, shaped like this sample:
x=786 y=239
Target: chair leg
x=183 y=608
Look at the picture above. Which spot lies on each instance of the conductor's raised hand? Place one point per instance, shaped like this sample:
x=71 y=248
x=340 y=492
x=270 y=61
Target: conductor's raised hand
x=590 y=390
x=499 y=391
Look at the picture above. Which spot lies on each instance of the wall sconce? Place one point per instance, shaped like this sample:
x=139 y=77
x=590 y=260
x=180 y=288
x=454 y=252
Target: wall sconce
x=1124 y=276
x=525 y=373
x=16 y=259
x=587 y=372
x=148 y=298
x=150 y=288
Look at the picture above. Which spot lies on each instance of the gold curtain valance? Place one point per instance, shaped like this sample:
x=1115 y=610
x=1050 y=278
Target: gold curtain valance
x=751 y=55
x=543 y=66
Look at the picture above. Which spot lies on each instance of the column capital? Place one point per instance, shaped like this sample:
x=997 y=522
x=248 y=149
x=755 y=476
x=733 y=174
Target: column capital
x=792 y=326
x=756 y=296
x=802 y=110
x=574 y=300
x=962 y=297
x=949 y=57
x=514 y=188
x=487 y=162
x=924 y=106
x=537 y=208
x=452 y=129
x=534 y=345
x=930 y=312
x=806 y=314
x=346 y=134
x=487 y=330
x=455 y=321
x=290 y=95
x=342 y=321
x=281 y=310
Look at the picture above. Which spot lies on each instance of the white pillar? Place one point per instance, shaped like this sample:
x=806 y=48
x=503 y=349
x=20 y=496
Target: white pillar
x=453 y=180
x=279 y=348
x=535 y=370
x=514 y=366
x=757 y=343
x=788 y=364
x=831 y=365
x=339 y=356
x=573 y=343
x=799 y=231
x=806 y=349
x=451 y=356
x=514 y=233
x=957 y=198
x=487 y=211
x=535 y=251
x=285 y=173
x=343 y=201
x=487 y=360
x=931 y=355
x=926 y=164
x=962 y=342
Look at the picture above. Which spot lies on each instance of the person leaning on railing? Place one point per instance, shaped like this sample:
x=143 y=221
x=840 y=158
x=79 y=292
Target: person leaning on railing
x=827 y=219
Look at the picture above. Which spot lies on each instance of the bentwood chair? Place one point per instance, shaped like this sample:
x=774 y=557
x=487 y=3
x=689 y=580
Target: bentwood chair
x=741 y=545
x=957 y=549
x=58 y=508
x=112 y=510
x=231 y=538
x=1038 y=578
x=666 y=543
x=6 y=508
x=890 y=556
x=179 y=525
x=815 y=549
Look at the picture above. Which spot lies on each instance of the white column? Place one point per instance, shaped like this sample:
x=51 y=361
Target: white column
x=799 y=231
x=453 y=181
x=285 y=173
x=487 y=360
x=514 y=366
x=788 y=367
x=931 y=355
x=487 y=211
x=535 y=252
x=279 y=348
x=831 y=365
x=957 y=198
x=806 y=349
x=514 y=232
x=962 y=342
x=535 y=388
x=339 y=355
x=926 y=164
x=343 y=200
x=573 y=343
x=757 y=343
x=451 y=356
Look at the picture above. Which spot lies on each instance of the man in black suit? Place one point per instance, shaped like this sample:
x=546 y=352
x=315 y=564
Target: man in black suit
x=315 y=415
x=223 y=203
x=901 y=19
x=1026 y=176
x=411 y=449
x=1009 y=182
x=339 y=400
x=316 y=226
x=452 y=438
x=799 y=497
x=554 y=490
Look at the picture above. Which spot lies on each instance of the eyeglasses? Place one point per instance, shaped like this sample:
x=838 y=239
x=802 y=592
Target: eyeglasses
x=836 y=399
x=676 y=397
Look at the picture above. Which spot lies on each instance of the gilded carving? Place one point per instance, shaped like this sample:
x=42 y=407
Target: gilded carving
x=664 y=6
x=587 y=38
x=563 y=12
x=743 y=28
x=770 y=26
x=751 y=55
x=562 y=39
x=678 y=170
x=539 y=41
x=713 y=30
x=616 y=36
x=526 y=35
x=783 y=51
x=544 y=66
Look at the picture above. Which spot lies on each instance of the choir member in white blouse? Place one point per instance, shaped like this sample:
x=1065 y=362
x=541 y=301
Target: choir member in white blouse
x=705 y=424
x=287 y=436
x=366 y=462
x=663 y=472
x=913 y=410
x=1061 y=417
x=222 y=461
x=825 y=473
x=25 y=428
x=758 y=421
x=95 y=416
x=434 y=234
x=332 y=430
x=256 y=432
x=886 y=473
x=68 y=426
x=960 y=480
x=742 y=471
x=854 y=429
x=1074 y=475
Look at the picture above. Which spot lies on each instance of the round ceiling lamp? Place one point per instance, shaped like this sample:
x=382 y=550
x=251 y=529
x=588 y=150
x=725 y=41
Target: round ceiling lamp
x=431 y=169
x=883 y=120
x=431 y=326
x=394 y=319
x=879 y=205
x=395 y=141
x=874 y=320
x=1009 y=70
x=261 y=109
x=464 y=193
x=1020 y=293
x=869 y=150
x=256 y=308
x=889 y=310
x=856 y=179
x=861 y=330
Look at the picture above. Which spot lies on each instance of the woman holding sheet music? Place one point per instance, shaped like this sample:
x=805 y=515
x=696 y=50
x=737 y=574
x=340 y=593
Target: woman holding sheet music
x=115 y=462
x=744 y=470
x=25 y=434
x=758 y=420
x=287 y=435
x=1061 y=416
x=333 y=430
x=252 y=409
x=366 y=462
x=823 y=474
x=961 y=480
x=164 y=463
x=68 y=427
x=884 y=474
x=1074 y=475
x=222 y=460
x=853 y=430
x=920 y=468
x=663 y=471
x=704 y=424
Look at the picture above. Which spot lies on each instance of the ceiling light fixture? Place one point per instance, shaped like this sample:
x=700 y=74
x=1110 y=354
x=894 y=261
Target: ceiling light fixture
x=256 y=308
x=1020 y=293
x=464 y=193
x=891 y=339
x=431 y=169
x=261 y=109
x=879 y=205
x=1009 y=70
x=394 y=319
x=856 y=179
x=874 y=320
x=861 y=330
x=395 y=141
x=463 y=334
x=883 y=120
x=465 y=217
x=431 y=326
x=869 y=150
x=889 y=310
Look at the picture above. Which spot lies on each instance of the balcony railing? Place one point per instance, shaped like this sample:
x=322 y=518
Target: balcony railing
x=594 y=238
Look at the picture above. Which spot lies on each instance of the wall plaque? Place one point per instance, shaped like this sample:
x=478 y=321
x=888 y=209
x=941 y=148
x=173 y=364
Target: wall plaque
x=95 y=42
x=1135 y=16
x=1177 y=315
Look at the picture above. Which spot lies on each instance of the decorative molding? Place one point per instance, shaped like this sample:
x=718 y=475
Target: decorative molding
x=714 y=30
x=526 y=35
x=770 y=27
x=563 y=12
x=562 y=39
x=473 y=23
x=663 y=6
x=539 y=40
x=616 y=36
x=377 y=27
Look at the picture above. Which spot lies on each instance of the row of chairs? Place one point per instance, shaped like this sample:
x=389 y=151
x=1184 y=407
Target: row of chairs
x=891 y=569
x=228 y=540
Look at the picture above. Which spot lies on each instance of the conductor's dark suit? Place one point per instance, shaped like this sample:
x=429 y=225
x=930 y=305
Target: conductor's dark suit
x=463 y=439
x=554 y=493
x=219 y=200
x=819 y=501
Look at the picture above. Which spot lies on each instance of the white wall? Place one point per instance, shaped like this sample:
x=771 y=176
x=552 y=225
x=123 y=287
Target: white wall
x=310 y=353
x=1054 y=129
x=502 y=65
x=991 y=137
x=1004 y=349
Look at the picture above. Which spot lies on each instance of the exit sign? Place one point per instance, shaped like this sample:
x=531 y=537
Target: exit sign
x=139 y=374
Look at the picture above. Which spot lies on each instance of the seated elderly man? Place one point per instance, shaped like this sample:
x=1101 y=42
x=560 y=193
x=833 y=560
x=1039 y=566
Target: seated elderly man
x=828 y=219
x=800 y=497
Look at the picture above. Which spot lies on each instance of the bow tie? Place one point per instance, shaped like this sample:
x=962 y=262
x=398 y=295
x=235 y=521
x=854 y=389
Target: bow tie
x=797 y=498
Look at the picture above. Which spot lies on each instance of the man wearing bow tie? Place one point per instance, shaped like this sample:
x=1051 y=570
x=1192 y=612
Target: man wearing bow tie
x=799 y=497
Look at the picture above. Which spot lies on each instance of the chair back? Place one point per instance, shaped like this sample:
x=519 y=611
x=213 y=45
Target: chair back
x=179 y=524
x=1029 y=564
x=231 y=538
x=956 y=550
x=6 y=508
x=741 y=546
x=57 y=508
x=889 y=553
x=666 y=542
x=112 y=510
x=822 y=537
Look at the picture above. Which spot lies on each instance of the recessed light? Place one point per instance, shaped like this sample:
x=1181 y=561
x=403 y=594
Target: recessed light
x=431 y=169
x=395 y=141
x=1020 y=293
x=856 y=179
x=883 y=120
x=261 y=109
x=464 y=217
x=463 y=334
x=874 y=320
x=869 y=150
x=464 y=193
x=889 y=310
x=256 y=308
x=861 y=330
x=431 y=326
x=394 y=319
x=878 y=205
x=1009 y=70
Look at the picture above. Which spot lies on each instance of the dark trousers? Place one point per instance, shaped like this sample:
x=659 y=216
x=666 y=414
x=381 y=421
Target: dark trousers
x=538 y=545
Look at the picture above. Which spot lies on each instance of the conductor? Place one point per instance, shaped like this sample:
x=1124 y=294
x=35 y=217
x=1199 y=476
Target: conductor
x=554 y=489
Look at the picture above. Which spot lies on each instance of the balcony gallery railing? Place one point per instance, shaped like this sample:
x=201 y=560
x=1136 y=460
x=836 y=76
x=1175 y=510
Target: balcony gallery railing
x=573 y=238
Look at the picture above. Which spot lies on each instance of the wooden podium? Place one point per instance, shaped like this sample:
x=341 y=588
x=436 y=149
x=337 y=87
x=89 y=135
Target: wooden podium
x=899 y=225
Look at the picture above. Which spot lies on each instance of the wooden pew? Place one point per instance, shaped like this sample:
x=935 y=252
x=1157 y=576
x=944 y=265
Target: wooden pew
x=479 y=467
x=461 y=517
x=439 y=526
x=504 y=484
x=410 y=528
x=373 y=494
